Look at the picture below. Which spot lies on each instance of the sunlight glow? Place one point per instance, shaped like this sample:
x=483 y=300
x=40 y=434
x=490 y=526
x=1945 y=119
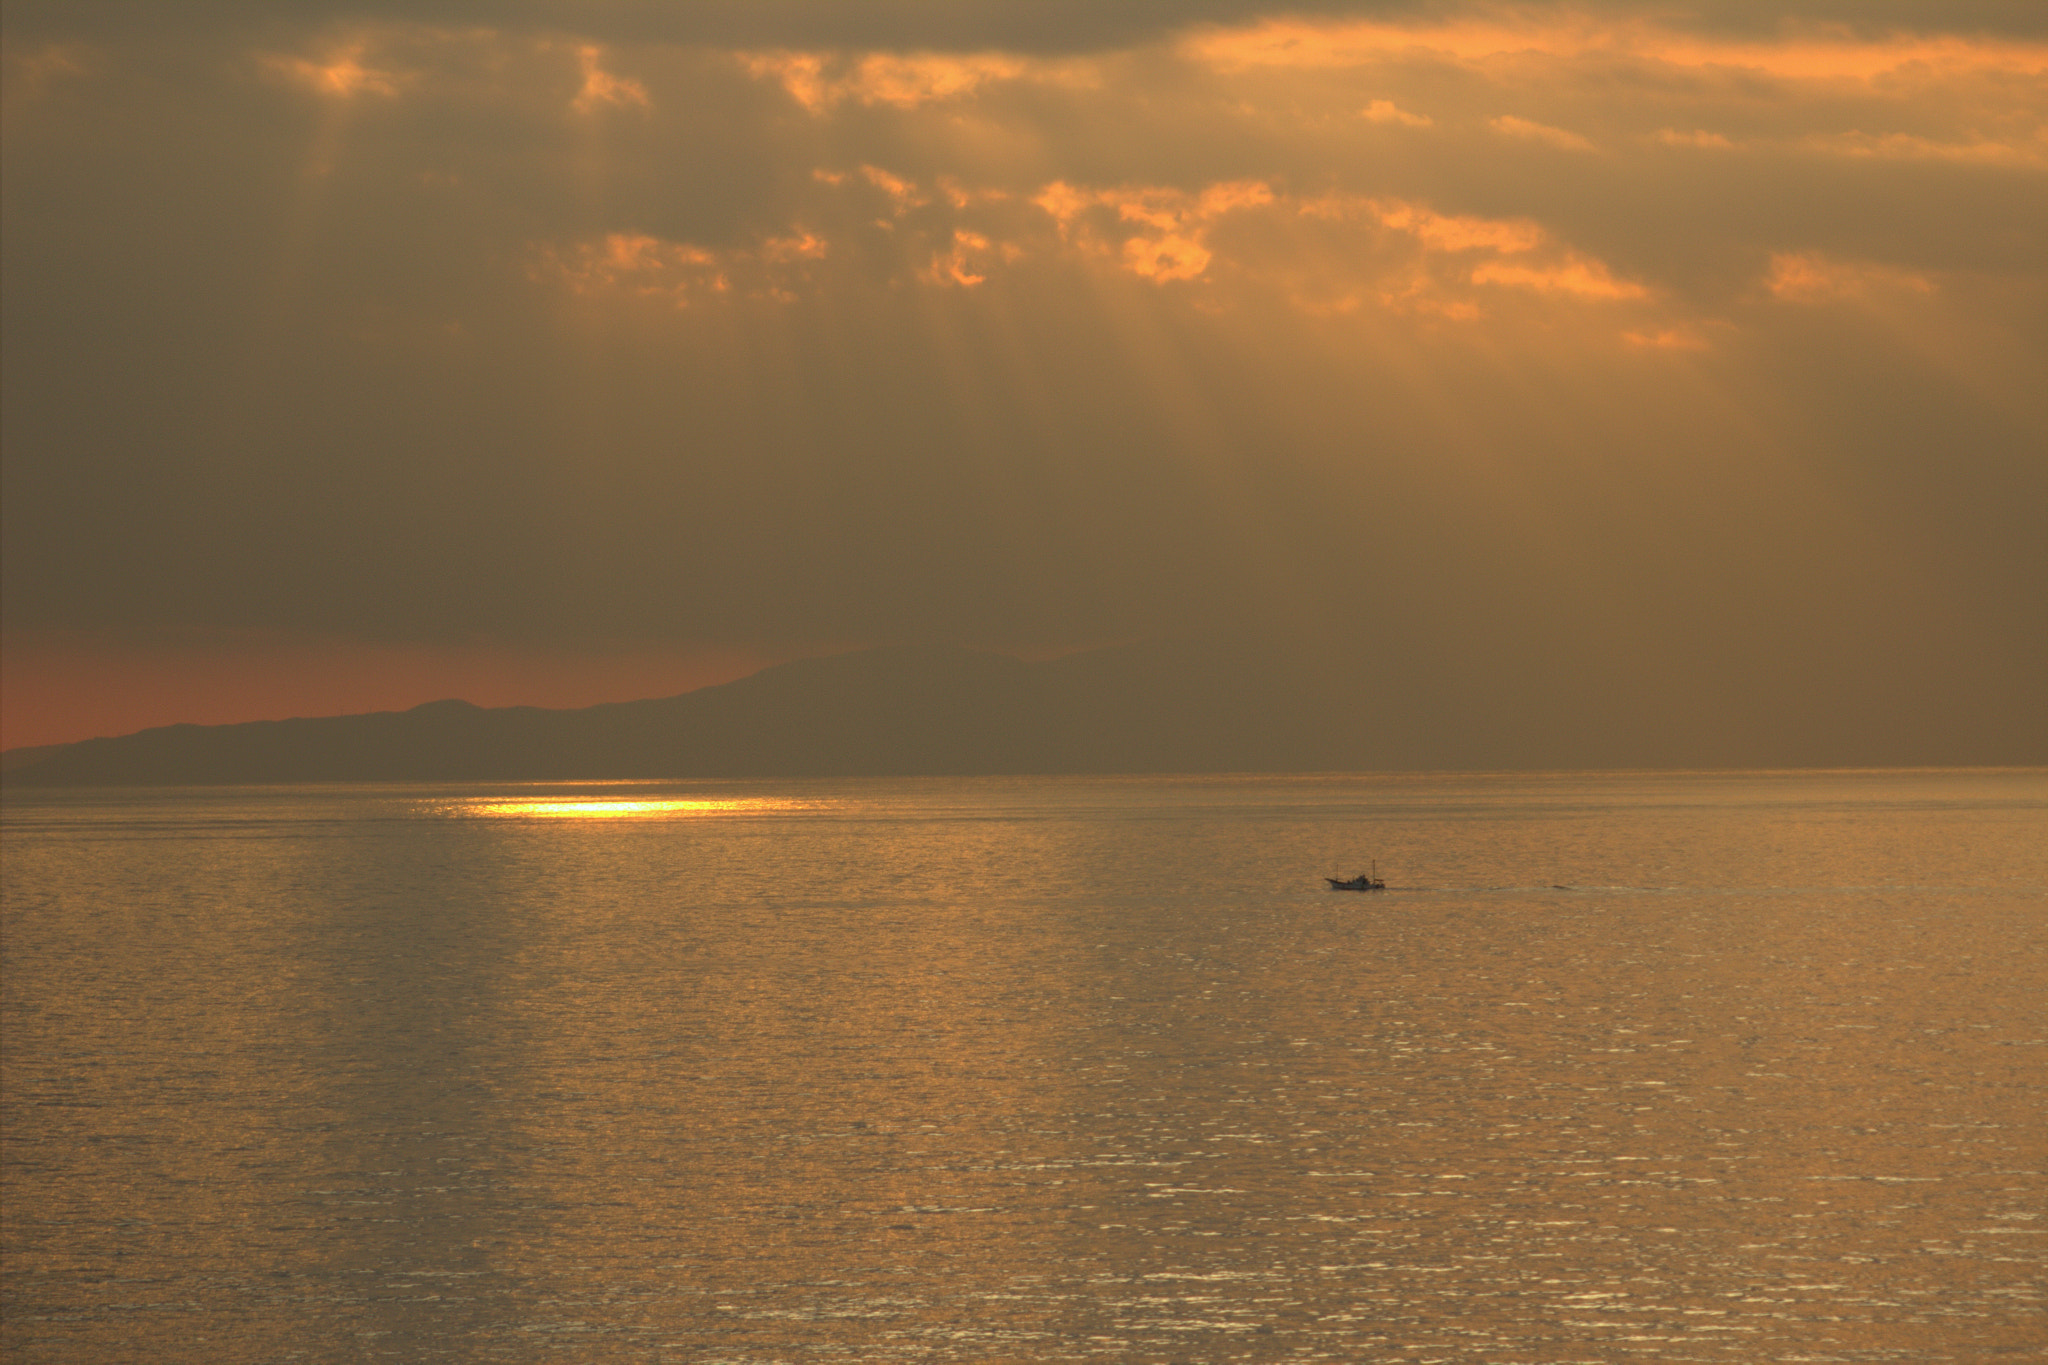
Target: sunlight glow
x=567 y=808
x=343 y=74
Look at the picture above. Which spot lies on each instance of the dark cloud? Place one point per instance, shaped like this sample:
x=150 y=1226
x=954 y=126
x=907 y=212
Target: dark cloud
x=944 y=25
x=1041 y=26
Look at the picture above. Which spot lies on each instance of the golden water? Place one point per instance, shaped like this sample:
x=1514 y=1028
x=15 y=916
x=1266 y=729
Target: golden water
x=1680 y=1067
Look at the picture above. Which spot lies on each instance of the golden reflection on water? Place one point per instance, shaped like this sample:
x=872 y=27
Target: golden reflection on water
x=953 y=1075
x=566 y=808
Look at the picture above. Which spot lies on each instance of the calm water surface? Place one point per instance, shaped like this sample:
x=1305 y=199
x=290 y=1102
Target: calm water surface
x=1686 y=1067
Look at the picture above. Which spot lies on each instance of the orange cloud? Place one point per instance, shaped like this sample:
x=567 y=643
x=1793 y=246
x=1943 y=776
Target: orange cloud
x=1063 y=202
x=958 y=196
x=1386 y=111
x=1301 y=43
x=957 y=264
x=1909 y=147
x=1169 y=257
x=902 y=191
x=1522 y=128
x=341 y=76
x=1666 y=339
x=1814 y=278
x=1352 y=255
x=819 y=81
x=637 y=265
x=644 y=264
x=1219 y=199
x=1328 y=255
x=1174 y=247
x=601 y=87
x=1421 y=286
x=799 y=246
x=1442 y=232
x=1335 y=272
x=1699 y=137
x=1575 y=275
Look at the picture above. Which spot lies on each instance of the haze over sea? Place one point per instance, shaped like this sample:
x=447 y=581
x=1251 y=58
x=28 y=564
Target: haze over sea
x=1673 y=1067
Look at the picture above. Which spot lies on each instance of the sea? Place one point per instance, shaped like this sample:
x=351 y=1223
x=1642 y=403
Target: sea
x=1719 y=1067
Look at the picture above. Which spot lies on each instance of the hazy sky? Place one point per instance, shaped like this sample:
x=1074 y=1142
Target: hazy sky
x=356 y=355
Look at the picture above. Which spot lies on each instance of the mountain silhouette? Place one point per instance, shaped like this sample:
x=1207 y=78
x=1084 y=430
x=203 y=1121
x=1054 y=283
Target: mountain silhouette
x=898 y=711
x=1243 y=702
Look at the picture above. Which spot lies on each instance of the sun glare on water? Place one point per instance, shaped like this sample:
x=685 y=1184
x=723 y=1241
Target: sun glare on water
x=571 y=808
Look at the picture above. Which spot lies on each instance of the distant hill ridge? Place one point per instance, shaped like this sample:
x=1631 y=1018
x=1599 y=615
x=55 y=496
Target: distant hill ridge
x=1218 y=703
x=896 y=711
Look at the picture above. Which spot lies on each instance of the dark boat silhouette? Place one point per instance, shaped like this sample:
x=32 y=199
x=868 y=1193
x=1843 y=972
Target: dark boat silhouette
x=1364 y=881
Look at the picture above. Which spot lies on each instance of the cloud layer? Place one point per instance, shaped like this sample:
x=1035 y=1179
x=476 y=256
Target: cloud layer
x=1706 y=353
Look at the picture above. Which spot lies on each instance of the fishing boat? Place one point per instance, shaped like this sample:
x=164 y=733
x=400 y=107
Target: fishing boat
x=1364 y=881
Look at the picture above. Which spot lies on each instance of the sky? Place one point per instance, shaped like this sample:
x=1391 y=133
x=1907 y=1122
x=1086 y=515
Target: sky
x=357 y=355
